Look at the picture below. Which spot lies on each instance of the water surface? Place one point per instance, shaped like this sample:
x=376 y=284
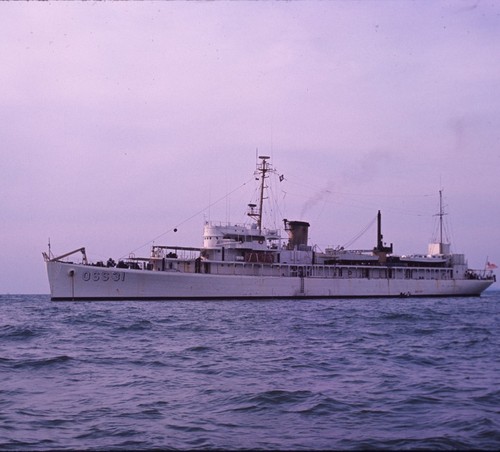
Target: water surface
x=287 y=374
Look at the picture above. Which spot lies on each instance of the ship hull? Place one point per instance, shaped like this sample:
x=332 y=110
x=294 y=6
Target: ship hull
x=83 y=282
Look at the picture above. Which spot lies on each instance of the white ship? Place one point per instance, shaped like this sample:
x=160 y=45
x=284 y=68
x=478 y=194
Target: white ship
x=250 y=261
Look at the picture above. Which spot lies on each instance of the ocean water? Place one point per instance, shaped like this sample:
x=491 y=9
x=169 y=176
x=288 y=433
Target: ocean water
x=286 y=374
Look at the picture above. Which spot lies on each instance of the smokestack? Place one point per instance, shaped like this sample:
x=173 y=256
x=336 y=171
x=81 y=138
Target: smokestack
x=297 y=234
x=380 y=242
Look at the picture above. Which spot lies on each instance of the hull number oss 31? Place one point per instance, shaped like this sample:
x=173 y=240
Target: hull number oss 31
x=103 y=276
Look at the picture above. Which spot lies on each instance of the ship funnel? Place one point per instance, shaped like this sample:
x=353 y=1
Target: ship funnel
x=381 y=250
x=297 y=234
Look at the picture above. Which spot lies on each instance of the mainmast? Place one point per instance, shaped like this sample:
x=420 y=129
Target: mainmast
x=262 y=169
x=438 y=245
x=441 y=213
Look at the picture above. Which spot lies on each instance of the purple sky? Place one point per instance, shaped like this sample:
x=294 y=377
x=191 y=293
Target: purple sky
x=121 y=120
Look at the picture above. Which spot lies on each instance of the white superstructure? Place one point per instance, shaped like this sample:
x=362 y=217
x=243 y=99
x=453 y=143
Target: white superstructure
x=250 y=261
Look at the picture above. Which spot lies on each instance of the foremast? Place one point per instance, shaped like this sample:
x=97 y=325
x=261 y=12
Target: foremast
x=262 y=170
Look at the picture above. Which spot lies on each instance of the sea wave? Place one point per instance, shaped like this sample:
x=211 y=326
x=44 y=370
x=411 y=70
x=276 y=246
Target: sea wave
x=319 y=374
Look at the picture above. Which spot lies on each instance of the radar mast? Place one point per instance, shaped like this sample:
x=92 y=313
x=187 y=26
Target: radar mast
x=262 y=170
